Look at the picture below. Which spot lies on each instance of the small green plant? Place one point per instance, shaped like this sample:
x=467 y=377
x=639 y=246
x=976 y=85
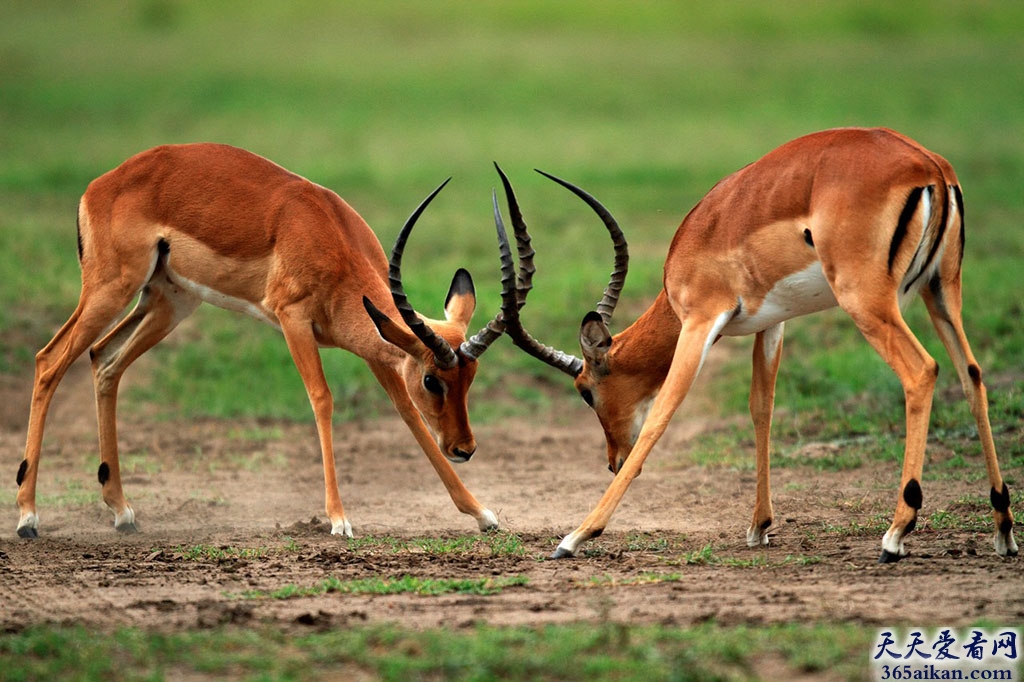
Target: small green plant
x=704 y=555
x=211 y=553
x=875 y=525
x=407 y=584
x=645 y=578
x=642 y=542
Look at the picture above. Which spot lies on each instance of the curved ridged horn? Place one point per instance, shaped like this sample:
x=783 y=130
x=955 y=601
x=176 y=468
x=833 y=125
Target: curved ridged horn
x=524 y=277
x=474 y=346
x=512 y=302
x=518 y=284
x=618 y=278
x=569 y=364
x=444 y=356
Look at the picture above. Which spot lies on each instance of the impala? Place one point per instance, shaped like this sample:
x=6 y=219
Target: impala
x=181 y=224
x=860 y=218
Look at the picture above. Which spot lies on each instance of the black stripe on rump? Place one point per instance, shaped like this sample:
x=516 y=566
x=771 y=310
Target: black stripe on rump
x=960 y=208
x=935 y=243
x=901 y=226
x=78 y=234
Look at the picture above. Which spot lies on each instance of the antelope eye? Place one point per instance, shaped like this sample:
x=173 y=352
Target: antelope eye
x=433 y=384
x=587 y=396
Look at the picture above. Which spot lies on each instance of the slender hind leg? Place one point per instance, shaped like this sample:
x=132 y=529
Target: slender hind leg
x=943 y=299
x=161 y=307
x=95 y=312
x=880 y=321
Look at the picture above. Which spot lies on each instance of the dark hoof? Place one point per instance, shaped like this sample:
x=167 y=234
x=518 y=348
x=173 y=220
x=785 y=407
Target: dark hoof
x=561 y=553
x=28 y=532
x=1011 y=552
x=127 y=528
x=888 y=557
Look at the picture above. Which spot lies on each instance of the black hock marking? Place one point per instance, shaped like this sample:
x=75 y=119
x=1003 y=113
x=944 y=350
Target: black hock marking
x=596 y=533
x=78 y=233
x=765 y=524
x=1005 y=526
x=960 y=209
x=808 y=237
x=913 y=199
x=910 y=526
x=1000 y=500
x=104 y=473
x=912 y=494
x=975 y=373
x=21 y=471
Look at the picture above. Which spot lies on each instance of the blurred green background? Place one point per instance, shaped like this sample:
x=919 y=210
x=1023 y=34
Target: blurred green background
x=644 y=104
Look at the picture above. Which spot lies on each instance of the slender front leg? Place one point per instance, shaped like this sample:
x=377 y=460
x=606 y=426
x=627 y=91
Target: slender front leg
x=694 y=342
x=767 y=355
x=464 y=500
x=298 y=334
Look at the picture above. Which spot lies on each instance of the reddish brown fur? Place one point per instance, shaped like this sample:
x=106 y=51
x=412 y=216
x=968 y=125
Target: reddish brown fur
x=246 y=234
x=832 y=198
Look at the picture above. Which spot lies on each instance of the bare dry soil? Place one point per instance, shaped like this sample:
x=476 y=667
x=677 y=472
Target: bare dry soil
x=248 y=495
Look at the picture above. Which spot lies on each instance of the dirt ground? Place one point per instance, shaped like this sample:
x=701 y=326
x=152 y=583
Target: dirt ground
x=258 y=485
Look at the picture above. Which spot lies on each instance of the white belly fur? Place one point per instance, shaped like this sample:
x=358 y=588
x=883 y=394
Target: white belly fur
x=803 y=292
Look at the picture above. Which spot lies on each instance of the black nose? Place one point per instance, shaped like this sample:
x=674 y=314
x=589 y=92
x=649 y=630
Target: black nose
x=464 y=454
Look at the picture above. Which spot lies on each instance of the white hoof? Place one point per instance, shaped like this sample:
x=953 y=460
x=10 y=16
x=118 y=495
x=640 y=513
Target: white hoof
x=487 y=520
x=756 y=537
x=125 y=521
x=341 y=527
x=28 y=526
x=892 y=545
x=568 y=547
x=1005 y=544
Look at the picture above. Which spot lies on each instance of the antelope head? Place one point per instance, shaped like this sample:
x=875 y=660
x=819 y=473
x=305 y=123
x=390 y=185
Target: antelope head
x=440 y=362
x=604 y=377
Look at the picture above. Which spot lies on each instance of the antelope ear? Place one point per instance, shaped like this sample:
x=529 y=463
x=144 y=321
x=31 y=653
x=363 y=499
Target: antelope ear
x=595 y=339
x=391 y=332
x=461 y=300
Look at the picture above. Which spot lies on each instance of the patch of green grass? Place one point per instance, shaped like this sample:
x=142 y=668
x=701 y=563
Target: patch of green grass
x=497 y=543
x=211 y=553
x=877 y=524
x=645 y=578
x=709 y=556
x=647 y=109
x=608 y=651
x=645 y=542
x=70 y=492
x=407 y=584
